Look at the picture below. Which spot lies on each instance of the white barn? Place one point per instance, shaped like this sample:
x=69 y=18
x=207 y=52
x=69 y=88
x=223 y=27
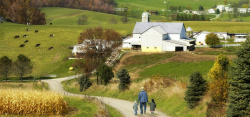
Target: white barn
x=211 y=11
x=159 y=37
x=240 y=38
x=200 y=38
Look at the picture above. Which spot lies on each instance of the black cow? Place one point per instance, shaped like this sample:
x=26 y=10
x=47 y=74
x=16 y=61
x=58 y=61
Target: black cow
x=22 y=45
x=17 y=36
x=52 y=35
x=80 y=33
x=37 y=45
x=50 y=48
x=1 y=22
x=50 y=23
x=28 y=29
x=36 y=31
x=25 y=36
x=26 y=41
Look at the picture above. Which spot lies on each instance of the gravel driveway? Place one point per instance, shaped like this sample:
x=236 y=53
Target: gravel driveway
x=125 y=107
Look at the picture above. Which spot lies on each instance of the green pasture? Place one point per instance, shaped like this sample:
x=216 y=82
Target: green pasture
x=65 y=16
x=159 y=4
x=178 y=70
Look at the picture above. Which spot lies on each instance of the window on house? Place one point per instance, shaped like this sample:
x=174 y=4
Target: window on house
x=147 y=47
x=155 y=47
x=128 y=43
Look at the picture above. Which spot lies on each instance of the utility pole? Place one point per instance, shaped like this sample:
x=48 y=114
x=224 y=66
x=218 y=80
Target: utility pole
x=167 y=7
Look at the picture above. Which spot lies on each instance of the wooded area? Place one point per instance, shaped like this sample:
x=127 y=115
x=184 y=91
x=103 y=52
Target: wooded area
x=27 y=11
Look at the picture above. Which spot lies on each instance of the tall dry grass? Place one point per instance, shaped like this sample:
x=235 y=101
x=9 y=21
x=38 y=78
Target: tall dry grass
x=30 y=102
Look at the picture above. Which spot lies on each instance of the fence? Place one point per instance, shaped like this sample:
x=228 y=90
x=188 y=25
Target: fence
x=218 y=46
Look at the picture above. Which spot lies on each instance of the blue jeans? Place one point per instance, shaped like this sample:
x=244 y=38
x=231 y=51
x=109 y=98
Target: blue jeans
x=143 y=104
x=135 y=112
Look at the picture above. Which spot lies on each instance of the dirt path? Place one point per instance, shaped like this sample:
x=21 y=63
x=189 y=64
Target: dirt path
x=125 y=107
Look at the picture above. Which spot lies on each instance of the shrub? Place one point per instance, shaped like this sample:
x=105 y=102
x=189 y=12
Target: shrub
x=29 y=102
x=84 y=83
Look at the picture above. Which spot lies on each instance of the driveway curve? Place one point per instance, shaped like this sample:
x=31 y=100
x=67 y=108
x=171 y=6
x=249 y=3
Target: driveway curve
x=125 y=107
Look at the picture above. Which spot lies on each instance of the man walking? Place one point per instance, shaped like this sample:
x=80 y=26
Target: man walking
x=143 y=99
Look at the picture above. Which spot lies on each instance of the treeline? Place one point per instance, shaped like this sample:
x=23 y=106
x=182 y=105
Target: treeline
x=186 y=17
x=21 y=11
x=106 y=6
x=27 y=11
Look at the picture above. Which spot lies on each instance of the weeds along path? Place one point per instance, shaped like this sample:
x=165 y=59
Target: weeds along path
x=125 y=107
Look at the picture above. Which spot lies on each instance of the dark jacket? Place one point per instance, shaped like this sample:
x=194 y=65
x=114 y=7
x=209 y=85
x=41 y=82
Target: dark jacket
x=152 y=106
x=143 y=97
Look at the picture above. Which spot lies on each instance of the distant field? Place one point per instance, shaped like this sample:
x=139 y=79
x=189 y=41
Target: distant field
x=159 y=5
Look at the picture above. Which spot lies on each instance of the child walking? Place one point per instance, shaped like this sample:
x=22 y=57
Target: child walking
x=135 y=107
x=152 y=106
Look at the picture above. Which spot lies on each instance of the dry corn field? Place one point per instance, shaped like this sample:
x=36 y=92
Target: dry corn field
x=30 y=102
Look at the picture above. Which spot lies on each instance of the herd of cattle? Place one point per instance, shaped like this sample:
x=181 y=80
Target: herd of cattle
x=26 y=41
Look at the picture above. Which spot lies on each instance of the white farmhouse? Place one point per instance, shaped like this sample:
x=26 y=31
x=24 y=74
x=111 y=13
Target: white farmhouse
x=159 y=37
x=211 y=11
x=200 y=38
x=221 y=8
x=240 y=38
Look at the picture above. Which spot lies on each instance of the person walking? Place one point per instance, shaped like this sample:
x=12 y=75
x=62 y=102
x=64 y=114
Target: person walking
x=152 y=106
x=143 y=99
x=135 y=107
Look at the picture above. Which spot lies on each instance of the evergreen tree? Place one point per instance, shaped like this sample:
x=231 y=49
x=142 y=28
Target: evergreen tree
x=195 y=90
x=239 y=91
x=217 y=11
x=5 y=67
x=22 y=66
x=201 y=8
x=124 y=79
x=105 y=73
x=84 y=83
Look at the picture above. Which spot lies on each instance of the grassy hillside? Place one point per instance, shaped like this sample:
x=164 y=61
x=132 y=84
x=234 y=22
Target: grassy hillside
x=159 y=5
x=66 y=34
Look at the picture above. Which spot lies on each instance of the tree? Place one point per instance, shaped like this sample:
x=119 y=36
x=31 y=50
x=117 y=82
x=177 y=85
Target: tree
x=212 y=39
x=239 y=104
x=124 y=79
x=5 y=67
x=83 y=20
x=218 y=87
x=245 y=5
x=84 y=83
x=22 y=66
x=201 y=8
x=225 y=2
x=195 y=90
x=217 y=11
x=125 y=19
x=105 y=73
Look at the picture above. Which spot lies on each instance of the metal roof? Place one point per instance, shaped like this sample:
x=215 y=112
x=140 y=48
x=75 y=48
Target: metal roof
x=174 y=28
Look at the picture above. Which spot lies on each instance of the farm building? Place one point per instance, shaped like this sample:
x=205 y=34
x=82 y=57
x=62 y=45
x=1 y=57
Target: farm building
x=200 y=37
x=159 y=37
x=243 y=10
x=96 y=44
x=221 y=8
x=240 y=38
x=211 y=11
